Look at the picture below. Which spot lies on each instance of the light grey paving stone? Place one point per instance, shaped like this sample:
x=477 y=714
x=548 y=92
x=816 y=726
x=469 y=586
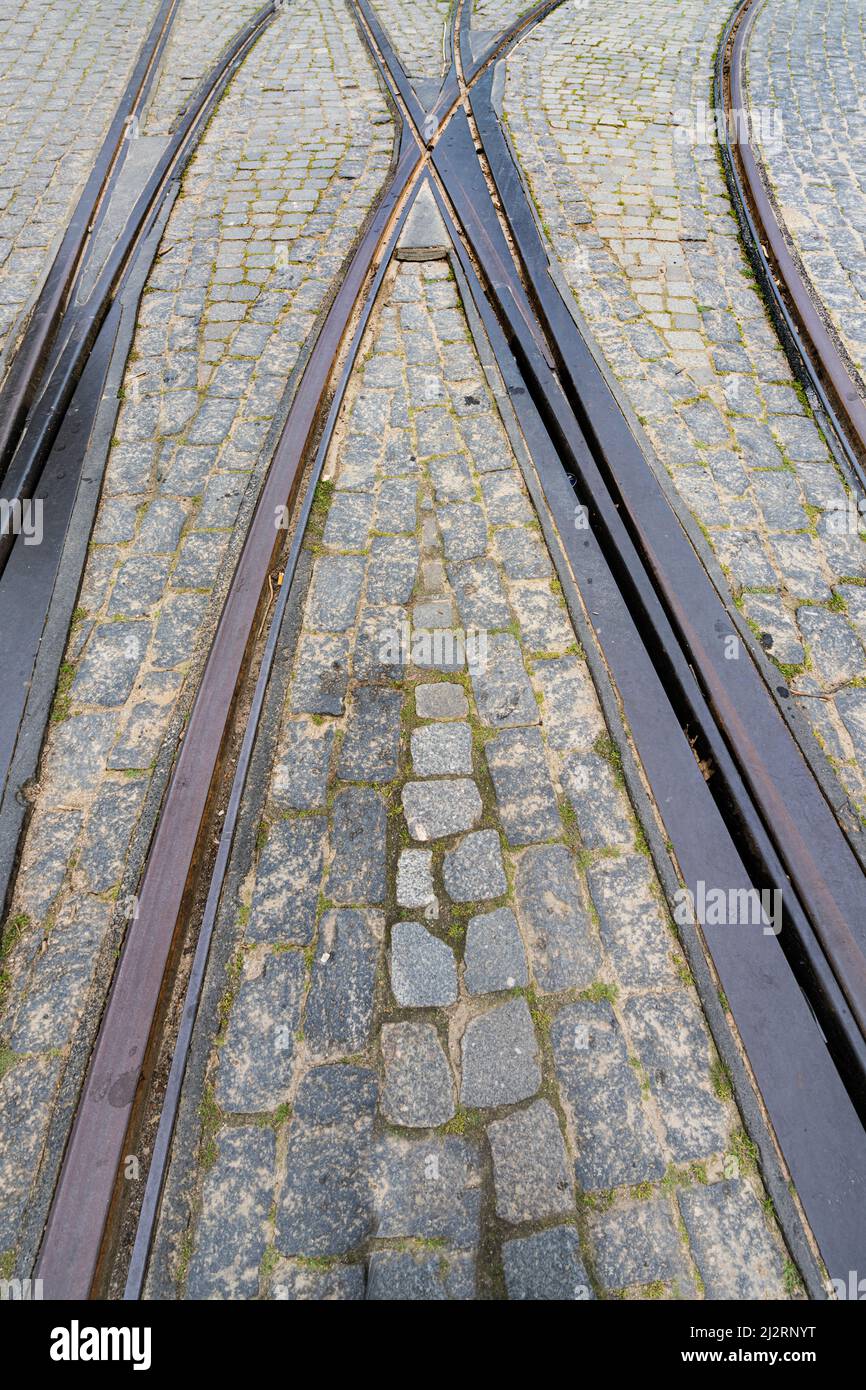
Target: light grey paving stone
x=111 y=662
x=359 y=824
x=415 y=878
x=563 y=950
x=632 y=924
x=436 y=809
x=851 y=705
x=531 y=1171
x=334 y=592
x=639 y=1244
x=442 y=750
x=255 y=1061
x=349 y=520
x=503 y=691
x=27 y=1090
x=546 y=1267
x=479 y=594
x=288 y=879
x=599 y=804
x=138 y=587
x=382 y=643
x=301 y=1283
x=505 y=501
x=464 y=531
x=570 y=713
x=523 y=553
x=494 y=954
x=300 y=777
x=486 y=443
x=542 y=618
x=393 y=1276
x=441 y=700
x=524 y=793
x=613 y=1136
x=671 y=1040
x=371 y=745
x=336 y=1094
x=232 y=1233
x=358 y=456
x=474 y=872
x=836 y=650
x=427 y=1189
x=500 y=1057
x=418 y=1092
x=338 y=1018
x=779 y=636
x=423 y=971
x=451 y=478
x=392 y=569
x=731 y=1242
x=321 y=674
x=177 y=626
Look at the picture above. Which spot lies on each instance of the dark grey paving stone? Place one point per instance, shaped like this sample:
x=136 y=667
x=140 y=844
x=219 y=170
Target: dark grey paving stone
x=474 y=872
x=836 y=650
x=58 y=986
x=339 y=1014
x=177 y=627
x=436 y=809
x=503 y=691
x=50 y=845
x=615 y=1140
x=639 y=1244
x=288 y=880
x=524 y=793
x=427 y=1189
x=731 y=1242
x=442 y=750
x=200 y=559
x=255 y=1061
x=394 y=1276
x=110 y=665
x=321 y=675
x=486 y=443
x=531 y=1171
x=423 y=971
x=392 y=569
x=599 y=804
x=76 y=759
x=109 y=830
x=397 y=508
x=631 y=921
x=141 y=738
x=464 y=531
x=334 y=592
x=301 y=1283
x=300 y=777
x=441 y=700
x=326 y=1206
x=359 y=825
x=371 y=745
x=418 y=1092
x=139 y=586
x=336 y=1094
x=546 y=1267
x=358 y=456
x=494 y=955
x=232 y=1235
x=382 y=643
x=505 y=501
x=563 y=950
x=500 y=1057
x=27 y=1091
x=672 y=1042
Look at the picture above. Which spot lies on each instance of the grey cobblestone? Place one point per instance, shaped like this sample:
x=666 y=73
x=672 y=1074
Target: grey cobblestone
x=546 y=1267
x=423 y=973
x=530 y=1165
x=418 y=1091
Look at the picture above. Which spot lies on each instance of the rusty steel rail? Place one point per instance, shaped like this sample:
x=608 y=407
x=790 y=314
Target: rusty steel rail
x=811 y=347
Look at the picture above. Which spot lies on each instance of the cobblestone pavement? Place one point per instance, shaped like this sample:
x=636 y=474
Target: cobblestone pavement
x=607 y=111
x=495 y=15
x=459 y=1053
x=200 y=33
x=417 y=30
x=806 y=62
x=269 y=208
x=63 y=68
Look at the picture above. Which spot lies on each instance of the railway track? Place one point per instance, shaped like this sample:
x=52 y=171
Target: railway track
x=739 y=801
